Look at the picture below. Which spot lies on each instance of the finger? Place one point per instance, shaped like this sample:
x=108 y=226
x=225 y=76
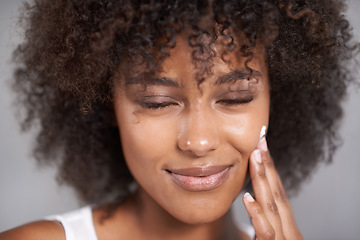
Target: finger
x=276 y=186
x=263 y=228
x=289 y=226
x=262 y=192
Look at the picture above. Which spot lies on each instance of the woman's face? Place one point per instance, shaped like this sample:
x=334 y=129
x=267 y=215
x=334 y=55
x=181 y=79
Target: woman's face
x=188 y=145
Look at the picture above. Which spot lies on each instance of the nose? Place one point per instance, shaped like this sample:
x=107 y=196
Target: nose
x=198 y=134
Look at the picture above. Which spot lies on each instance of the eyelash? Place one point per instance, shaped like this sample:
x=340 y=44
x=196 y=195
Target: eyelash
x=236 y=101
x=153 y=105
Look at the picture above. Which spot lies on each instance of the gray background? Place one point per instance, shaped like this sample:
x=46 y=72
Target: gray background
x=326 y=208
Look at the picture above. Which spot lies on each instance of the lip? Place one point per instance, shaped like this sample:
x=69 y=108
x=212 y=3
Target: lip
x=200 y=178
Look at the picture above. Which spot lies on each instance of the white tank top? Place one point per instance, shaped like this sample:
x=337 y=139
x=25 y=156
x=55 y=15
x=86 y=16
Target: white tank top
x=79 y=225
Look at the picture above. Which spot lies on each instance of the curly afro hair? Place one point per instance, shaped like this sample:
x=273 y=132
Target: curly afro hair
x=73 y=50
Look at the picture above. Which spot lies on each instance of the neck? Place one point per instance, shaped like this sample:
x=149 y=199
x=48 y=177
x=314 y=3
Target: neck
x=156 y=223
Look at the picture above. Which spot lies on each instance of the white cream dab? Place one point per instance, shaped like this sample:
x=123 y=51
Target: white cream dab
x=263 y=131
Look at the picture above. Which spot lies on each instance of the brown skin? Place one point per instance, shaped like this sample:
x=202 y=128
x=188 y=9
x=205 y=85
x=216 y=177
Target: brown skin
x=197 y=126
x=271 y=213
x=40 y=230
x=197 y=129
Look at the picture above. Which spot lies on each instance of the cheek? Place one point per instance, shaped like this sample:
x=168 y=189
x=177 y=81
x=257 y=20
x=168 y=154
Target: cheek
x=243 y=131
x=145 y=143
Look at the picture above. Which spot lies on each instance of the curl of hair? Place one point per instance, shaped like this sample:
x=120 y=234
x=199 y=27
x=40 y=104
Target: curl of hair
x=73 y=50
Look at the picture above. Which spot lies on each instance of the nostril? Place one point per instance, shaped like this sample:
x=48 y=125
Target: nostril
x=199 y=147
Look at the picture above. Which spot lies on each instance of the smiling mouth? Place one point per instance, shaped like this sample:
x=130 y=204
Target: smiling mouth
x=201 y=178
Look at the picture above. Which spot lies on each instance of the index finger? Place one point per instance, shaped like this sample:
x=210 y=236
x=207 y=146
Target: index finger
x=263 y=194
x=279 y=194
x=276 y=185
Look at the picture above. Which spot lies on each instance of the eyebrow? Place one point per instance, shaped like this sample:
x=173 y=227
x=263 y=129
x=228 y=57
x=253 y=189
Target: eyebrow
x=161 y=81
x=230 y=77
x=236 y=75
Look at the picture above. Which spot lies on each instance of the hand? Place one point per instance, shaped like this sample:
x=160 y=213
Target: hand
x=271 y=212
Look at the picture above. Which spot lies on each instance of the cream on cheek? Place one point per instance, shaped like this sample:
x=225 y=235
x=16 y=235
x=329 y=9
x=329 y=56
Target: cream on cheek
x=243 y=135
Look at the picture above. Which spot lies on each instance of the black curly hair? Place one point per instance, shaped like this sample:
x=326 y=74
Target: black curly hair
x=74 y=49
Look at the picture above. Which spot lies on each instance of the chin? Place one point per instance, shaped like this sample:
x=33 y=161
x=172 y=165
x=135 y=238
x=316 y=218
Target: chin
x=205 y=217
x=201 y=211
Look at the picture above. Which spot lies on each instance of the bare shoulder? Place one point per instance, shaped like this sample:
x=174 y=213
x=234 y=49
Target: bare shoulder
x=40 y=230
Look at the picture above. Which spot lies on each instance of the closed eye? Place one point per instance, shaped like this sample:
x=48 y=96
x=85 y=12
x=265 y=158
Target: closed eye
x=236 y=101
x=157 y=102
x=157 y=105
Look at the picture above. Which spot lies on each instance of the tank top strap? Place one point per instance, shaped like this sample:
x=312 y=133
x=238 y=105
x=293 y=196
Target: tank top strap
x=78 y=224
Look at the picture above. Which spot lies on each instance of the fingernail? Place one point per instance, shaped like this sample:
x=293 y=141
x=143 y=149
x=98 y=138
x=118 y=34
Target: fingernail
x=263 y=145
x=257 y=156
x=248 y=197
x=262 y=131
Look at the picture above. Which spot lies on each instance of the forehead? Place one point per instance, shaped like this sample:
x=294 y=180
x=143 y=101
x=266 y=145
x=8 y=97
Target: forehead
x=203 y=59
x=211 y=61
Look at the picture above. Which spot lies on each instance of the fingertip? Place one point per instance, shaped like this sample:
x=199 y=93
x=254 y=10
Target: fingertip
x=248 y=197
x=257 y=156
x=262 y=145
